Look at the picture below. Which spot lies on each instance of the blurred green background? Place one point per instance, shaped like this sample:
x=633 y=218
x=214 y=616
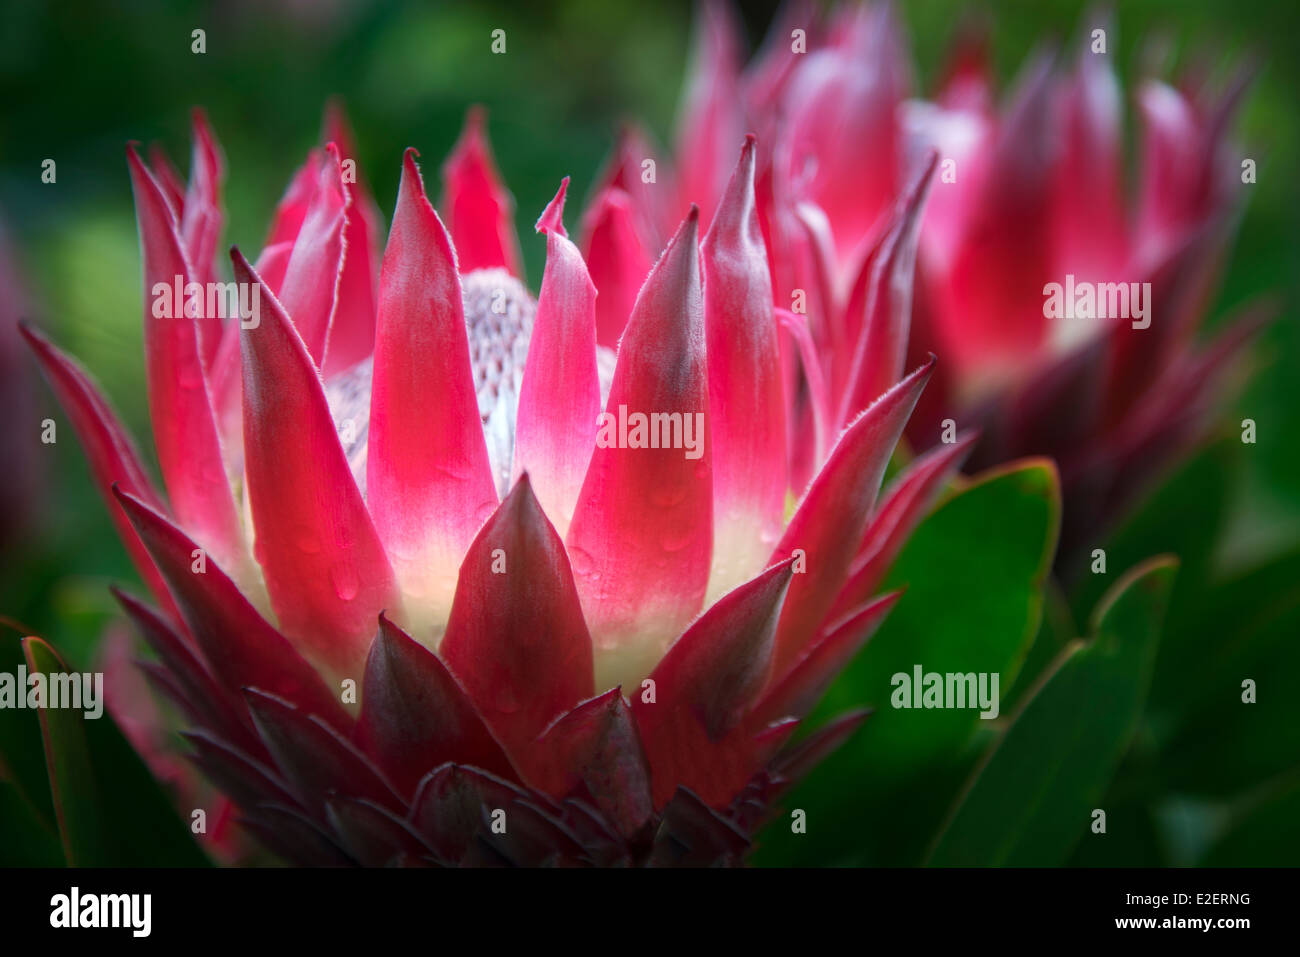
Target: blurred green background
x=80 y=79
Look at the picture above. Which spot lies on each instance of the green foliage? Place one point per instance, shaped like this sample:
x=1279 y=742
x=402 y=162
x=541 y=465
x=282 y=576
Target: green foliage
x=1206 y=765
x=105 y=803
x=1031 y=799
x=974 y=573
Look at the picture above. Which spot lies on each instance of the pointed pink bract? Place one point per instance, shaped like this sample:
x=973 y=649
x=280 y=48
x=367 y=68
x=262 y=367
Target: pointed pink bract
x=516 y=637
x=642 y=533
x=559 y=400
x=428 y=479
x=746 y=404
x=616 y=255
x=415 y=715
x=325 y=569
x=694 y=729
x=309 y=291
x=180 y=406
x=833 y=515
x=479 y=209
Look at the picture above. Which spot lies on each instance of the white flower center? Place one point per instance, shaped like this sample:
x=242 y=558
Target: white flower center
x=499 y=313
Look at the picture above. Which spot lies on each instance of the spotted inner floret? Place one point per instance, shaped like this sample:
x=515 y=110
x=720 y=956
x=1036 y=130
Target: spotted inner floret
x=499 y=313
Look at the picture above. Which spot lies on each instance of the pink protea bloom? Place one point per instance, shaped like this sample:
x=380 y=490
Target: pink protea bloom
x=1071 y=317
x=408 y=583
x=991 y=207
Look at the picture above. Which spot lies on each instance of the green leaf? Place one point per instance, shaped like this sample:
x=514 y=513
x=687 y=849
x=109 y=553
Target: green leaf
x=1031 y=800
x=22 y=759
x=1200 y=746
x=1055 y=632
x=1140 y=831
x=974 y=572
x=110 y=810
x=1184 y=516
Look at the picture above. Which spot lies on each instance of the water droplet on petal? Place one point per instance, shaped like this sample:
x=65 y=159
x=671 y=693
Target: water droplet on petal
x=345 y=581
x=675 y=538
x=583 y=565
x=307 y=540
x=668 y=497
x=484 y=512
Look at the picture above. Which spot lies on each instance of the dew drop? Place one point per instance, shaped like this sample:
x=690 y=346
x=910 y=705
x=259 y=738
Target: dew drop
x=307 y=541
x=345 y=581
x=675 y=538
x=484 y=512
x=669 y=496
x=583 y=564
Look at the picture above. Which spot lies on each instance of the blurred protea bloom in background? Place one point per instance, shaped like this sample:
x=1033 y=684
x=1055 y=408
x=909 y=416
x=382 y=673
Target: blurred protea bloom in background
x=1022 y=197
x=1114 y=384
x=421 y=601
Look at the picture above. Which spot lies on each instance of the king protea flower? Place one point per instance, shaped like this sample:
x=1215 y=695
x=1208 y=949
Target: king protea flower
x=415 y=606
x=1037 y=217
x=1020 y=198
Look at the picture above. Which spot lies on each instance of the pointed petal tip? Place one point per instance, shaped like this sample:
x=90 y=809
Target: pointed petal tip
x=891 y=598
x=387 y=632
x=473 y=133
x=522 y=506
x=917 y=378
x=40 y=345
x=782 y=569
x=241 y=264
x=334 y=122
x=140 y=172
x=126 y=498
x=914 y=380
x=31 y=334
x=142 y=175
x=136 y=508
x=552 y=218
x=520 y=637
x=688 y=230
x=411 y=170
x=202 y=130
x=966 y=439
x=246 y=272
